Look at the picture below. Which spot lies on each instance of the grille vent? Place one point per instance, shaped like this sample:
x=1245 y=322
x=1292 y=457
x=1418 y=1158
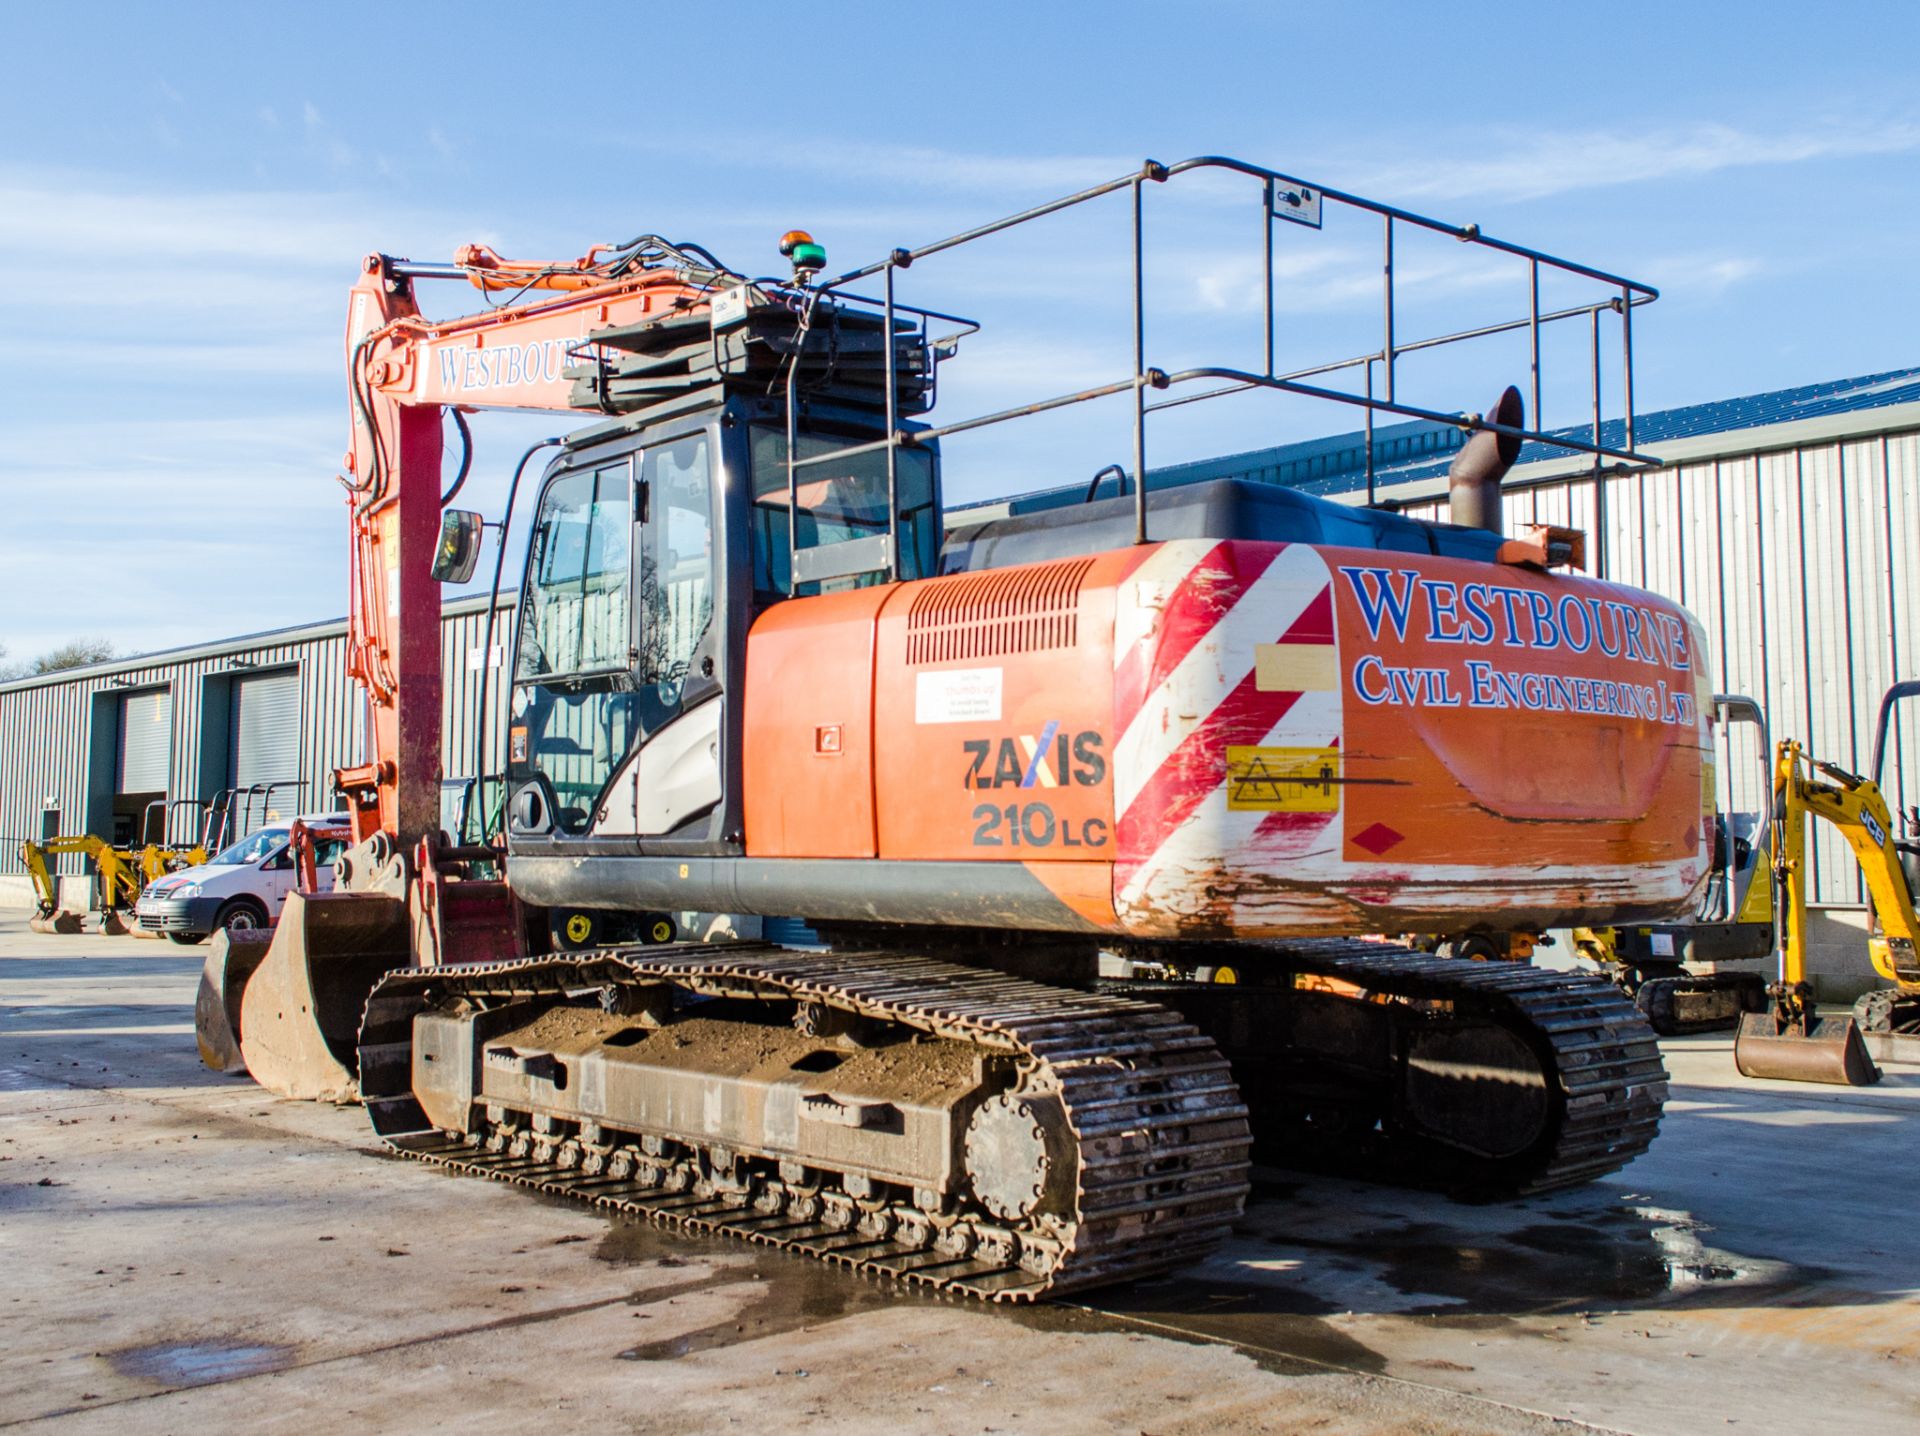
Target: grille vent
x=978 y=615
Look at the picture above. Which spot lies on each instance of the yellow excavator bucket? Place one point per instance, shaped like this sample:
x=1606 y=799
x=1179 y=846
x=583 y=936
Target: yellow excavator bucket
x=300 y=1014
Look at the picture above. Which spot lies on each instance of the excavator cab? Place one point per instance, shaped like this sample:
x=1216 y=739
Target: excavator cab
x=652 y=551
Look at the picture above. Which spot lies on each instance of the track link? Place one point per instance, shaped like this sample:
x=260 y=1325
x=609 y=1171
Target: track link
x=1158 y=1128
x=1604 y=1077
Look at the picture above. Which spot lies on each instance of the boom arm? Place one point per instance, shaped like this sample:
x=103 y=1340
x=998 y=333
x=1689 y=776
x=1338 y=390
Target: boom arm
x=1854 y=806
x=402 y=371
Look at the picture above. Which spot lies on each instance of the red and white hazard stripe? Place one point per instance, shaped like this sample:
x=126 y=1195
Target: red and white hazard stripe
x=1188 y=628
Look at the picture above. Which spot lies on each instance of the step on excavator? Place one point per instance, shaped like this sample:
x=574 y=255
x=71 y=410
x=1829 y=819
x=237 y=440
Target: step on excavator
x=1790 y=1041
x=1226 y=725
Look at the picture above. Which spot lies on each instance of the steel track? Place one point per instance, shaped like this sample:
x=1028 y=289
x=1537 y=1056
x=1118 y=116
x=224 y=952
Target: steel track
x=1605 y=1077
x=1159 y=1129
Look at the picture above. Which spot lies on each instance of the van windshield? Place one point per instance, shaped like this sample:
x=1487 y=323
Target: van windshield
x=254 y=848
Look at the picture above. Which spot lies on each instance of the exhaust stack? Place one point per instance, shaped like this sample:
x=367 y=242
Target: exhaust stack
x=1473 y=480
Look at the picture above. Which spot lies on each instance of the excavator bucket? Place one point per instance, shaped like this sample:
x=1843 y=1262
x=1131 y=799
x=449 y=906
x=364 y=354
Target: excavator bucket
x=63 y=922
x=1826 y=1049
x=113 y=925
x=232 y=958
x=300 y=1015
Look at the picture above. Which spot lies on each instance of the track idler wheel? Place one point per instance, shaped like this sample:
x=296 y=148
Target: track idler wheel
x=1015 y=1146
x=300 y=1015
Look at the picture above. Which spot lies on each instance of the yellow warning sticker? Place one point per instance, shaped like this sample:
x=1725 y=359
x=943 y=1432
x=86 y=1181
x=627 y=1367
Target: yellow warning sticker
x=1283 y=780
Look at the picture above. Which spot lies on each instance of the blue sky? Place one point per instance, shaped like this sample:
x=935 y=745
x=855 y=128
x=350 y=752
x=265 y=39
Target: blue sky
x=186 y=191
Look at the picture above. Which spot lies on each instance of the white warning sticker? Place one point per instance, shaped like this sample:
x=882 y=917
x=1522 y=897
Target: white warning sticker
x=958 y=695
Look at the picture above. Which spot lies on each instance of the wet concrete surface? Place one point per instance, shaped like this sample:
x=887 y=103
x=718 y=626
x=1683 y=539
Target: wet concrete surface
x=182 y=1252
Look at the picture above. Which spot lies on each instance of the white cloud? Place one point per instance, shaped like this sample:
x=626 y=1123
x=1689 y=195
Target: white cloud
x=1529 y=166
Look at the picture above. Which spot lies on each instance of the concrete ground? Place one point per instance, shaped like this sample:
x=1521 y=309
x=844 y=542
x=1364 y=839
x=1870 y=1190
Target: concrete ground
x=181 y=1253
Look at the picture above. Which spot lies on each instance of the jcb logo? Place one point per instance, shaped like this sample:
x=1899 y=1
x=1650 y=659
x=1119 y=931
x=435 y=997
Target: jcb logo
x=1047 y=759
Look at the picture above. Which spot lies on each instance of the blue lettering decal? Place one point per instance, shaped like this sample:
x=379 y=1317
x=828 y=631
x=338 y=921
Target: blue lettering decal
x=1546 y=633
x=1480 y=684
x=1630 y=632
x=1655 y=627
x=1599 y=609
x=1383 y=601
x=1479 y=617
x=1508 y=597
x=1571 y=608
x=1371 y=663
x=1442 y=604
x=1682 y=647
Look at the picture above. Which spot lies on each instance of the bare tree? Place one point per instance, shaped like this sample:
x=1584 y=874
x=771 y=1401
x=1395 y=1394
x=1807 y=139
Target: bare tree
x=75 y=653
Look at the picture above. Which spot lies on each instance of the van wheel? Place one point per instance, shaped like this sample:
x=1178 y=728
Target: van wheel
x=242 y=915
x=187 y=939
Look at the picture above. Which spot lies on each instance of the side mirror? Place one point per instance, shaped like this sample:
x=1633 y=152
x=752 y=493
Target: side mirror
x=459 y=548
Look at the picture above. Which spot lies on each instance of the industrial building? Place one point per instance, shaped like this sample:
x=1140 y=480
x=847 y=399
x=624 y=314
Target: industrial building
x=1785 y=521
x=270 y=714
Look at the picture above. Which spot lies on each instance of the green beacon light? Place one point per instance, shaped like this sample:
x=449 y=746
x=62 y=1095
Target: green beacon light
x=808 y=258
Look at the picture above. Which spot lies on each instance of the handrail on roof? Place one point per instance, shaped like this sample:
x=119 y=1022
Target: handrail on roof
x=1284 y=198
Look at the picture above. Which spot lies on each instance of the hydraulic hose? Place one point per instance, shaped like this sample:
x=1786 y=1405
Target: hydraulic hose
x=466 y=457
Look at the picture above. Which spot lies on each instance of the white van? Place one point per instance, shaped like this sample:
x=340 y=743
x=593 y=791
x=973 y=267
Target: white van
x=241 y=888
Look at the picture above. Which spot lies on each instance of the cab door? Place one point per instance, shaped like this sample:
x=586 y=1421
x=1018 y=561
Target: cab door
x=678 y=771
x=617 y=726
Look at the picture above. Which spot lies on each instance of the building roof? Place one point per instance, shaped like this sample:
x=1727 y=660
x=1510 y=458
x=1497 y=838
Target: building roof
x=220 y=647
x=1411 y=460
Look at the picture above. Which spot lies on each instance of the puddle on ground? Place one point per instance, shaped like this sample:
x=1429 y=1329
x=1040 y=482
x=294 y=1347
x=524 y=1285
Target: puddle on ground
x=792 y=1292
x=1282 y=1326
x=198 y=1363
x=1546 y=1261
x=1467 y=1272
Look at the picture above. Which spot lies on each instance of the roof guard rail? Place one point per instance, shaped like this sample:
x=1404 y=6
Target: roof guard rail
x=1287 y=198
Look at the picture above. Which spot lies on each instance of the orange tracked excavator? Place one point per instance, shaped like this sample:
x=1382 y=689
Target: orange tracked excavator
x=1226 y=723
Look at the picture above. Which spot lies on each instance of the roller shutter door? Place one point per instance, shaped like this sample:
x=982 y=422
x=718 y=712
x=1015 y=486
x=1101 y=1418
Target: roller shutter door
x=146 y=737
x=265 y=741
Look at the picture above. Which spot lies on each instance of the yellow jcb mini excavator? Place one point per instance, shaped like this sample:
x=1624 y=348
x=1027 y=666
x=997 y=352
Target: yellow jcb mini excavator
x=1790 y=1041
x=120 y=883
